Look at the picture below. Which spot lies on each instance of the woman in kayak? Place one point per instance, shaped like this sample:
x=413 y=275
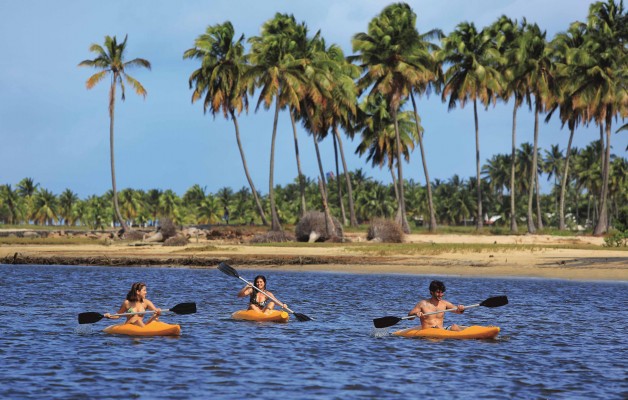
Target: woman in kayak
x=259 y=301
x=436 y=303
x=136 y=301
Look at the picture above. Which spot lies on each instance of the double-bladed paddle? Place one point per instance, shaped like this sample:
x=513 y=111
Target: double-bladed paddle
x=491 y=302
x=91 y=317
x=229 y=270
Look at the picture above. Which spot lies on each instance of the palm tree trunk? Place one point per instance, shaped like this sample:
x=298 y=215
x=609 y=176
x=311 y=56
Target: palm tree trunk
x=320 y=165
x=296 y=152
x=246 y=170
x=329 y=222
x=275 y=225
x=112 y=106
x=513 y=155
x=539 y=215
x=401 y=214
x=395 y=183
x=479 y=224
x=352 y=217
x=339 y=187
x=531 y=228
x=563 y=184
x=602 y=223
x=430 y=203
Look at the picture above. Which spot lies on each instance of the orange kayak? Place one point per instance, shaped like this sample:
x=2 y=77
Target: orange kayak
x=472 y=332
x=155 y=328
x=268 y=316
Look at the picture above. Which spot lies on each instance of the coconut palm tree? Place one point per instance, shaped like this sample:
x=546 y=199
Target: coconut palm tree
x=331 y=103
x=67 y=201
x=10 y=199
x=45 y=205
x=220 y=82
x=110 y=59
x=566 y=48
x=535 y=67
x=391 y=62
x=600 y=87
x=471 y=76
x=431 y=71
x=279 y=75
x=507 y=33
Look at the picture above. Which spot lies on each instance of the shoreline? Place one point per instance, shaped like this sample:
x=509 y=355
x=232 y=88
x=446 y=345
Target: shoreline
x=555 y=261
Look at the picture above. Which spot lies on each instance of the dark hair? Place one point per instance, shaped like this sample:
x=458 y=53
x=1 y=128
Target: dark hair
x=262 y=277
x=132 y=295
x=437 y=285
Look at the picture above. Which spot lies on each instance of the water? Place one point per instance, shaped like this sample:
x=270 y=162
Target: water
x=559 y=339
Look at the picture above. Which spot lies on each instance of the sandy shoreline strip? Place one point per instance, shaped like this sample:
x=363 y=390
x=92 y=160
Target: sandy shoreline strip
x=595 y=264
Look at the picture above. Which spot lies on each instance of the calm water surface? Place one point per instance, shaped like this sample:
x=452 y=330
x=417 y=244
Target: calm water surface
x=559 y=339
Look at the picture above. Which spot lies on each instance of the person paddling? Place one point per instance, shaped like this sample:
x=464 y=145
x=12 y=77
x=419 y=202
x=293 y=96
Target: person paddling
x=259 y=301
x=136 y=301
x=436 y=303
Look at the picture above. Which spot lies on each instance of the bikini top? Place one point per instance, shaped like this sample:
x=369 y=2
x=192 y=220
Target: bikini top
x=253 y=300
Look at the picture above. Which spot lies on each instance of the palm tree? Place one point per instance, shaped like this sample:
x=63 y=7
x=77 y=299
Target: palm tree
x=392 y=64
x=111 y=61
x=279 y=75
x=11 y=201
x=220 y=80
x=45 y=205
x=472 y=76
x=600 y=87
x=535 y=68
x=507 y=33
x=566 y=48
x=432 y=75
x=67 y=200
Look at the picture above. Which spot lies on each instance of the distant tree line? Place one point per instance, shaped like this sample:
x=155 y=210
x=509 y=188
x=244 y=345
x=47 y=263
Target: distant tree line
x=579 y=76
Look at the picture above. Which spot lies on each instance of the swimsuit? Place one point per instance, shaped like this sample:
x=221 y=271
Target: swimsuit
x=253 y=300
x=447 y=328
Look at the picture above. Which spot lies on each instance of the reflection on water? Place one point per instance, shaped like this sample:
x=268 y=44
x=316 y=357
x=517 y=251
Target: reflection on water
x=559 y=339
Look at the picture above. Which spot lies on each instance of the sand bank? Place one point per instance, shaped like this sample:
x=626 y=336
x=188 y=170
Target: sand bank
x=537 y=256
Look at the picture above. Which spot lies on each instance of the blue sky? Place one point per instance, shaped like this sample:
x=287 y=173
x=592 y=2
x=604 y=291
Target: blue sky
x=55 y=131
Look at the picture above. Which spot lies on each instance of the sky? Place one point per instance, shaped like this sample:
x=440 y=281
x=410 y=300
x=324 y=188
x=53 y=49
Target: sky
x=55 y=131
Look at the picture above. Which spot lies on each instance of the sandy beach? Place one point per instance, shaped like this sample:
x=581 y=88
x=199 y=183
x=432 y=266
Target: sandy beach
x=536 y=256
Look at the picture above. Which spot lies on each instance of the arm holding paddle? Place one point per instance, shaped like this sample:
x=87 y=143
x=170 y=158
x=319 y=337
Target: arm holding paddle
x=491 y=302
x=136 y=317
x=230 y=271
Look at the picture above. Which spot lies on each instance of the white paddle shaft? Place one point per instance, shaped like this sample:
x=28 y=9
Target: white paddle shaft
x=264 y=293
x=136 y=313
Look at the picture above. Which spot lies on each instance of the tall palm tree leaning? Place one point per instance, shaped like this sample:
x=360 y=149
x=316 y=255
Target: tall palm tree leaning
x=388 y=55
x=279 y=75
x=506 y=33
x=110 y=60
x=220 y=80
x=471 y=76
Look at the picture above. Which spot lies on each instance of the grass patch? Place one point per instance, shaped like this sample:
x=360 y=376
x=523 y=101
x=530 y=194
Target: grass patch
x=52 y=241
x=202 y=249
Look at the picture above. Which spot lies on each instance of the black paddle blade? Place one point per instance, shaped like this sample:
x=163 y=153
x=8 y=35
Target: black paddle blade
x=496 y=301
x=184 y=308
x=302 y=317
x=385 y=322
x=89 y=317
x=227 y=269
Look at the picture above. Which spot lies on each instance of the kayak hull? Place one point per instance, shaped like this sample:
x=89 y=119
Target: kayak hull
x=155 y=328
x=253 y=315
x=472 y=332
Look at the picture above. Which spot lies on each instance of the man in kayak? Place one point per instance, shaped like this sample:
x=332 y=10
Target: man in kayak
x=257 y=300
x=436 y=303
x=136 y=301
